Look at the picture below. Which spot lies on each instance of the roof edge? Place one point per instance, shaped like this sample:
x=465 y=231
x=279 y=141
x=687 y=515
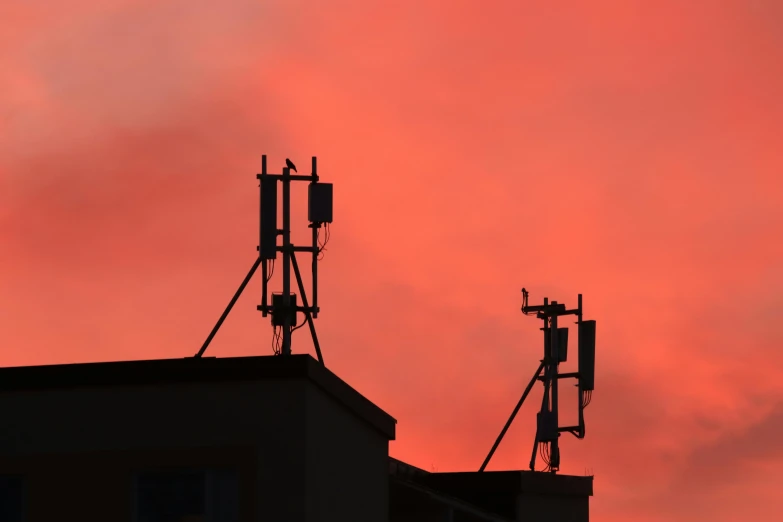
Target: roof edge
x=349 y=397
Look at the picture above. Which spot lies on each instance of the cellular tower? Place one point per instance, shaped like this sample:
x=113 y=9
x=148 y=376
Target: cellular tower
x=548 y=427
x=283 y=307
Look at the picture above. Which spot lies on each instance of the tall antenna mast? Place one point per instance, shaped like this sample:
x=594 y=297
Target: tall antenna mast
x=283 y=307
x=548 y=429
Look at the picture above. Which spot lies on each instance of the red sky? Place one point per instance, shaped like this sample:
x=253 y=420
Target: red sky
x=629 y=151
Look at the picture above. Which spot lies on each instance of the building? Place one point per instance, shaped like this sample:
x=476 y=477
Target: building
x=232 y=439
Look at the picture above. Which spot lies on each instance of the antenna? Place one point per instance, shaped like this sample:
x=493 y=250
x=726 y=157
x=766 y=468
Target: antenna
x=284 y=308
x=548 y=429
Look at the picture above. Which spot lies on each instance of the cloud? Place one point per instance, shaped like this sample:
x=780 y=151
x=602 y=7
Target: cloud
x=740 y=464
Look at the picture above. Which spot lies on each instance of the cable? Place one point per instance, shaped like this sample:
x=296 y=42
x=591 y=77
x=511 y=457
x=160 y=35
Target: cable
x=543 y=450
x=549 y=457
x=276 y=339
x=271 y=271
x=548 y=453
x=587 y=397
x=295 y=328
x=322 y=246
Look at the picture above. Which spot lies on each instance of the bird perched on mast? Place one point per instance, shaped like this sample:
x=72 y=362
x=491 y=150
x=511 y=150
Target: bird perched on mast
x=290 y=164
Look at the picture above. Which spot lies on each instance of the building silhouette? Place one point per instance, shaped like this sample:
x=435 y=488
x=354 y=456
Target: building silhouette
x=268 y=438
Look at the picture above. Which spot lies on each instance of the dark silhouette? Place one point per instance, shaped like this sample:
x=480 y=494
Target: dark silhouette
x=290 y=164
x=283 y=308
x=235 y=439
x=555 y=352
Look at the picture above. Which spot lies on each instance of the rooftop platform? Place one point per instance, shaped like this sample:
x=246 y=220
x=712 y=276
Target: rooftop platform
x=493 y=495
x=191 y=370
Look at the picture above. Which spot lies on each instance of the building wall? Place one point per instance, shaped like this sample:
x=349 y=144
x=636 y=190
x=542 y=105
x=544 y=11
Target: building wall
x=553 y=508
x=80 y=444
x=98 y=486
x=188 y=415
x=441 y=514
x=348 y=465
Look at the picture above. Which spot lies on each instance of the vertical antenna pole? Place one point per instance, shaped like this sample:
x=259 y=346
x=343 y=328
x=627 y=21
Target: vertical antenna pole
x=308 y=317
x=554 y=458
x=315 y=247
x=545 y=382
x=579 y=393
x=264 y=270
x=286 y=347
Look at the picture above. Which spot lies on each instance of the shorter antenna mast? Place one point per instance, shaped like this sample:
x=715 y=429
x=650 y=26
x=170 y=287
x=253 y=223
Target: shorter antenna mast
x=548 y=429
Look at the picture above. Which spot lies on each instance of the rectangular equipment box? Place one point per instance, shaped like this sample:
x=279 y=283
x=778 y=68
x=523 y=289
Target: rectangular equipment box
x=319 y=203
x=587 y=355
x=562 y=341
x=268 y=241
x=278 y=310
x=547 y=426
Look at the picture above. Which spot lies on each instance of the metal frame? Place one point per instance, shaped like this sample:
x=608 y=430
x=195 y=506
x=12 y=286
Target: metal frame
x=549 y=313
x=288 y=251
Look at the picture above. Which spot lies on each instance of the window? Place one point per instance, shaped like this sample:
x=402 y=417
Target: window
x=186 y=495
x=11 y=498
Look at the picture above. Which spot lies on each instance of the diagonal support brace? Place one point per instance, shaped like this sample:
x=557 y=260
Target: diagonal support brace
x=513 y=414
x=231 y=303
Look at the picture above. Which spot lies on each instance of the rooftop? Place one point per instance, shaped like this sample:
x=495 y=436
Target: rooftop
x=195 y=370
x=479 y=496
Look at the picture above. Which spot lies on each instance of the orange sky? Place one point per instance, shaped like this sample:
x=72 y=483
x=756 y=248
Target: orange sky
x=629 y=151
